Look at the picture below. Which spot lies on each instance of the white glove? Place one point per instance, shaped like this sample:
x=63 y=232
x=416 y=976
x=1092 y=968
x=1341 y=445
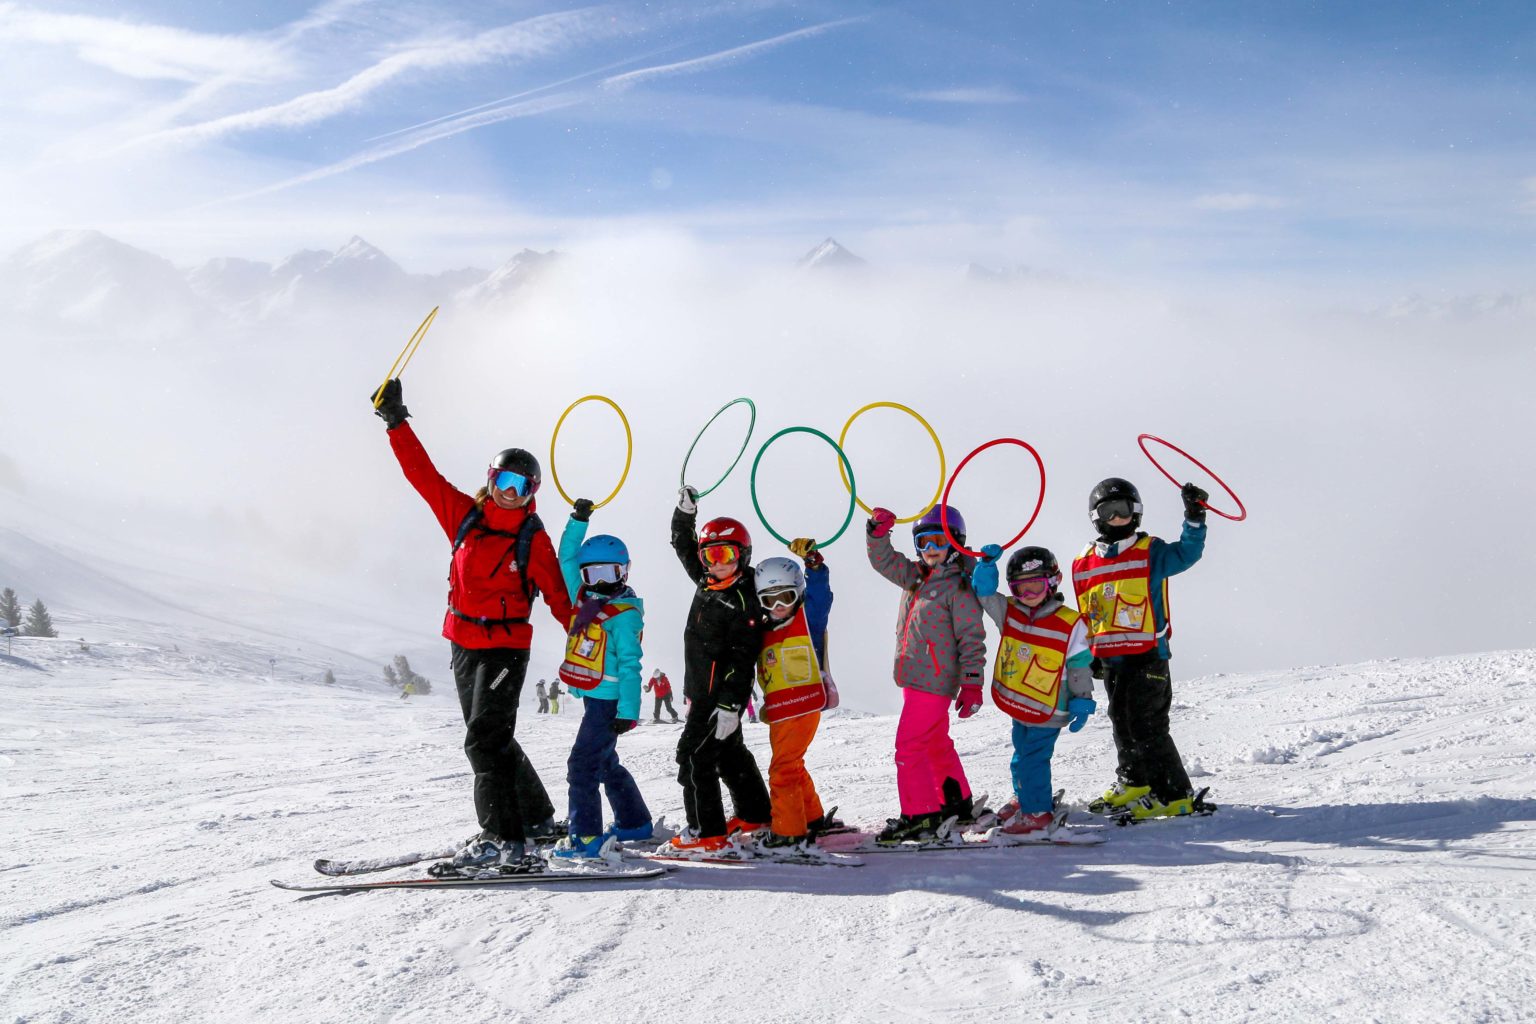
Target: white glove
x=687 y=500
x=727 y=721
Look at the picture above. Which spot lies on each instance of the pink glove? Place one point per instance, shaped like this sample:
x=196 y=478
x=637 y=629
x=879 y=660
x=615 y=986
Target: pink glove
x=969 y=701
x=880 y=522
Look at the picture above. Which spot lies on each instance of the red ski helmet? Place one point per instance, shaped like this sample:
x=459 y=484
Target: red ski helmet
x=726 y=531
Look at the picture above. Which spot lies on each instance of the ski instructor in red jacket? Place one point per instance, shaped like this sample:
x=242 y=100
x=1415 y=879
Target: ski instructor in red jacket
x=502 y=559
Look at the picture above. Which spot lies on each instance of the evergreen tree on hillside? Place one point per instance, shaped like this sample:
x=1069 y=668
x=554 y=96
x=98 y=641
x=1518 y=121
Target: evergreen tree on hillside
x=329 y=679
x=10 y=608
x=39 y=622
x=405 y=674
x=392 y=680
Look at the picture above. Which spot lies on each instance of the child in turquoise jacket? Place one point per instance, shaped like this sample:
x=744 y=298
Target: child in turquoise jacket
x=602 y=664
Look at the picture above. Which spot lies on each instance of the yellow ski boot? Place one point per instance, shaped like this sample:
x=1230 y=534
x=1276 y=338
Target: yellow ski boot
x=1116 y=797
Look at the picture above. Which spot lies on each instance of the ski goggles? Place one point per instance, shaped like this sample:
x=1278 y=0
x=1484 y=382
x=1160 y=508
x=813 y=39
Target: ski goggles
x=782 y=597
x=1116 y=508
x=1031 y=586
x=930 y=541
x=720 y=554
x=603 y=572
x=506 y=480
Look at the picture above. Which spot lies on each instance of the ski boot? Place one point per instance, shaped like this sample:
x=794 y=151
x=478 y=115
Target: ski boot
x=826 y=825
x=1026 y=824
x=488 y=853
x=547 y=832
x=968 y=816
x=689 y=844
x=910 y=828
x=601 y=847
x=636 y=834
x=1117 y=797
x=1008 y=810
x=1150 y=806
x=787 y=844
x=734 y=825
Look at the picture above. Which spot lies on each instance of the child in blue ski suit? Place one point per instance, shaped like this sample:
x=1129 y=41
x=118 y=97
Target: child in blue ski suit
x=1044 y=645
x=603 y=665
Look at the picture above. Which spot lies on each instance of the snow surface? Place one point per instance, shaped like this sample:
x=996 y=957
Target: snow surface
x=1372 y=861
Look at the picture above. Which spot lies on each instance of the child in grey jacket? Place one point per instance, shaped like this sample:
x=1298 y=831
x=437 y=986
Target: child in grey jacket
x=941 y=652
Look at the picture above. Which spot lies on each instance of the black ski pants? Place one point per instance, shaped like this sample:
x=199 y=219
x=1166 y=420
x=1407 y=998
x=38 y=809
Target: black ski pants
x=667 y=700
x=507 y=789
x=705 y=762
x=1140 y=695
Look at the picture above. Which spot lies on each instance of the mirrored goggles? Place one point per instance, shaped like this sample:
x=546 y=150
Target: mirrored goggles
x=930 y=541
x=506 y=480
x=720 y=554
x=1031 y=586
x=604 y=572
x=1115 y=508
x=782 y=597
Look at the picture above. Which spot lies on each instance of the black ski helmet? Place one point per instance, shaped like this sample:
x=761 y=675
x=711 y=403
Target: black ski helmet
x=1108 y=490
x=1033 y=560
x=518 y=460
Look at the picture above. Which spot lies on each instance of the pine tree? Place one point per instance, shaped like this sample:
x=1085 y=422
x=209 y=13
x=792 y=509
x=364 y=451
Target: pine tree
x=391 y=679
x=403 y=674
x=39 y=622
x=329 y=679
x=10 y=608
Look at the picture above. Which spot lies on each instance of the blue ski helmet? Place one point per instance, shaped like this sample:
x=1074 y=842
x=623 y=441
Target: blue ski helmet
x=602 y=548
x=932 y=523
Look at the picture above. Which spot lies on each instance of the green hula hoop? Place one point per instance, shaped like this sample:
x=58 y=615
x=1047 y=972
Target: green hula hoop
x=853 y=488
x=682 y=478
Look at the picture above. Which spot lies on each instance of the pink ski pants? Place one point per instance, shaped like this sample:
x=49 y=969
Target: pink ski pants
x=925 y=755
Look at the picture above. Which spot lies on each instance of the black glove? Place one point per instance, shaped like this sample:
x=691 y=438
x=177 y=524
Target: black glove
x=1096 y=669
x=1194 y=497
x=583 y=509
x=391 y=408
x=620 y=726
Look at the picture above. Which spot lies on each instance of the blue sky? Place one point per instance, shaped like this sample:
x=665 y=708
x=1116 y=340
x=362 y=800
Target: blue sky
x=1332 y=145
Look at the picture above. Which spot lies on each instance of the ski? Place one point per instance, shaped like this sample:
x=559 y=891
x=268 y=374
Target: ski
x=1058 y=833
x=535 y=878
x=372 y=864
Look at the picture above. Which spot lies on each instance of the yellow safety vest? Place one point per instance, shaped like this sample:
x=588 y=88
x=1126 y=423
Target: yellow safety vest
x=1026 y=678
x=587 y=651
x=789 y=671
x=1116 y=596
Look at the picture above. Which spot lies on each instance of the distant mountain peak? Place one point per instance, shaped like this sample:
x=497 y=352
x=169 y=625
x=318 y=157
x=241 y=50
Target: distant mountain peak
x=830 y=253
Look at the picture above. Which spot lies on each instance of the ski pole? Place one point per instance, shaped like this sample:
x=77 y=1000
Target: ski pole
x=404 y=358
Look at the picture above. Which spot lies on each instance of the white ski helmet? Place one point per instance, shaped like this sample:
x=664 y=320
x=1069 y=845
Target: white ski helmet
x=780 y=574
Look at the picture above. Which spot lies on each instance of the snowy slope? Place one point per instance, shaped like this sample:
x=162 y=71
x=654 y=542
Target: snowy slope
x=1372 y=861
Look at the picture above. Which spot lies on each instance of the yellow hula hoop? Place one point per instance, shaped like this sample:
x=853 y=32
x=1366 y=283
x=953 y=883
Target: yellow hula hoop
x=629 y=444
x=842 y=440
x=406 y=354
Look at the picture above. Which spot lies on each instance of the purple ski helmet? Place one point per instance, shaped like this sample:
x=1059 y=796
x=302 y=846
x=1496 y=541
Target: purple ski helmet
x=932 y=523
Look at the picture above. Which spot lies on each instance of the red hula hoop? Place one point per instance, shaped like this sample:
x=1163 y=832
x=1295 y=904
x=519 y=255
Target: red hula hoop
x=1142 y=439
x=944 y=501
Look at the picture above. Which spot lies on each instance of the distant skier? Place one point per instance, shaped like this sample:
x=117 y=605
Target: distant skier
x=501 y=560
x=1122 y=592
x=661 y=686
x=941 y=650
x=602 y=666
x=554 y=697
x=720 y=649
x=791 y=667
x=543 y=699
x=1044 y=641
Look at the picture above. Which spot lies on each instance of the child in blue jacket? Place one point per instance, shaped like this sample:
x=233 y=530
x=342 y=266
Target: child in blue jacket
x=602 y=664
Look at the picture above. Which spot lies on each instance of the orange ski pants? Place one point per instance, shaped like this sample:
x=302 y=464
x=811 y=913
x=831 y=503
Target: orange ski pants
x=790 y=789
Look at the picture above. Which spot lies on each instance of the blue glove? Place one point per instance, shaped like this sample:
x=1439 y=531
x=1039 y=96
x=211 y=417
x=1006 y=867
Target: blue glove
x=1079 y=708
x=984 y=576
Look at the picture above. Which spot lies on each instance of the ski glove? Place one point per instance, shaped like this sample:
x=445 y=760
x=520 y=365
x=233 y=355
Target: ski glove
x=805 y=548
x=582 y=509
x=1194 y=502
x=727 y=721
x=620 y=726
x=984 y=576
x=969 y=701
x=687 y=500
x=1079 y=708
x=391 y=404
x=880 y=522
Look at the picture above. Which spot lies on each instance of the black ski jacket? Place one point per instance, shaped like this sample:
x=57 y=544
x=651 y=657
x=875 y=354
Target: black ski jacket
x=722 y=639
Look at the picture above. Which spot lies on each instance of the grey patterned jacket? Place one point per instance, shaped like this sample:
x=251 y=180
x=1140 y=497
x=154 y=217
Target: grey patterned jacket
x=940 y=639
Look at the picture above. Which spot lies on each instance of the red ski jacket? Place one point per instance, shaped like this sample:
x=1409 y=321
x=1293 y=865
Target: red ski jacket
x=661 y=684
x=486 y=603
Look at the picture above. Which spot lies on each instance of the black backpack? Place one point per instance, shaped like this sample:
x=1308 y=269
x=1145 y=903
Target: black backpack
x=522 y=543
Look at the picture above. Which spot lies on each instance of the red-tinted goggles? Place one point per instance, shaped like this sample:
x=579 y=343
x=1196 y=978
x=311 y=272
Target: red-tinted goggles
x=720 y=554
x=1032 y=586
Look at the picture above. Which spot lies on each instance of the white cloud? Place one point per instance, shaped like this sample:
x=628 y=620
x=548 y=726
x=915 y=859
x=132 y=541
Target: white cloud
x=713 y=60
x=978 y=95
x=143 y=51
x=1233 y=202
